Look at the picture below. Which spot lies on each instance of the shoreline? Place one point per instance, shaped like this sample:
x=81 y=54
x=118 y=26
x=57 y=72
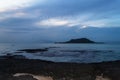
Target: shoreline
x=18 y=67
x=58 y=71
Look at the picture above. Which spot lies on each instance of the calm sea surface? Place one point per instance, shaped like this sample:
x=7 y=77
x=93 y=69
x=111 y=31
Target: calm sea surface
x=80 y=53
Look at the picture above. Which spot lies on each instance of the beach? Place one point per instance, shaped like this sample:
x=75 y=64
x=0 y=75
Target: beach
x=26 y=69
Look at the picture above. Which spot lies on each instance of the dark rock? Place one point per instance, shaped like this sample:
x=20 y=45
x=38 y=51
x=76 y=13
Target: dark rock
x=88 y=51
x=59 y=71
x=34 y=50
x=10 y=56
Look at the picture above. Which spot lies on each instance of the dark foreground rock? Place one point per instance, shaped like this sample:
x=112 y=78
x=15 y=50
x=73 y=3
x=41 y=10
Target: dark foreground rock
x=58 y=71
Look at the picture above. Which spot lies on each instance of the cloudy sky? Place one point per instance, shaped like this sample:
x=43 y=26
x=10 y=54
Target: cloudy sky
x=53 y=20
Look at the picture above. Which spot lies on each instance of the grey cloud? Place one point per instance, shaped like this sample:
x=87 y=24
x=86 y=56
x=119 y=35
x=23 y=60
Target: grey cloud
x=73 y=7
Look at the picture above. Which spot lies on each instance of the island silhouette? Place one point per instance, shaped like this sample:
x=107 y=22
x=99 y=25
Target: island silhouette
x=80 y=40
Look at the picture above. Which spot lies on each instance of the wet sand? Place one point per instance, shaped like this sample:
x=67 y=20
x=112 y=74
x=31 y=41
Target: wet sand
x=47 y=70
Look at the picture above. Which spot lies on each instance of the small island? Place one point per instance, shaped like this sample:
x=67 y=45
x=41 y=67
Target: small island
x=80 y=40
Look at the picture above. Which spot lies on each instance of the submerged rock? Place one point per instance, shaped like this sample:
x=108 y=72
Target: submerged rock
x=34 y=50
x=10 y=56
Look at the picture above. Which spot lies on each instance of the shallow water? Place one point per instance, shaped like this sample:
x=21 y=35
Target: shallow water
x=80 y=53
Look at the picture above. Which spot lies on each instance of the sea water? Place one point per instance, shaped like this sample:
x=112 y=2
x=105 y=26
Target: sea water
x=78 y=53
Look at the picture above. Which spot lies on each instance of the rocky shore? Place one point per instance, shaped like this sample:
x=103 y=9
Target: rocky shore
x=46 y=70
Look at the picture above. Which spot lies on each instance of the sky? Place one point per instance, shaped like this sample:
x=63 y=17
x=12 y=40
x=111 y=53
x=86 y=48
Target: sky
x=59 y=20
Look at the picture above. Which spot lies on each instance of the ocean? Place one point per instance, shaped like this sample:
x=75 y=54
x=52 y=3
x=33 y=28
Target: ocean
x=75 y=53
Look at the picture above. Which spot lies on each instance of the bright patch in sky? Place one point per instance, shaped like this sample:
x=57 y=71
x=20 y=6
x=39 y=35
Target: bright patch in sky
x=53 y=22
x=13 y=4
x=70 y=22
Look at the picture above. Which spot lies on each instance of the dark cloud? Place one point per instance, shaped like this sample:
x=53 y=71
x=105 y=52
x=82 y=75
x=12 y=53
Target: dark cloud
x=73 y=7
